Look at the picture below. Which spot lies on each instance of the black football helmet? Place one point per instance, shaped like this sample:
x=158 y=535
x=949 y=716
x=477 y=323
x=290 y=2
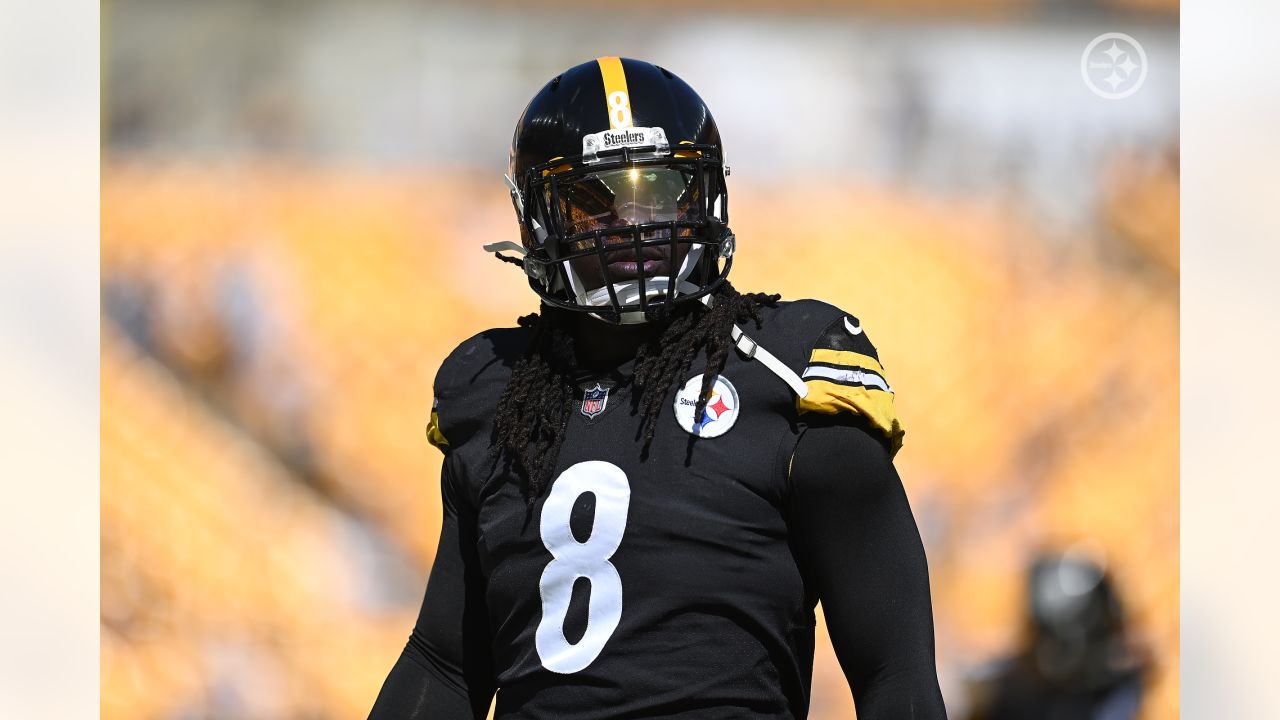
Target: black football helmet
x=617 y=176
x=1077 y=624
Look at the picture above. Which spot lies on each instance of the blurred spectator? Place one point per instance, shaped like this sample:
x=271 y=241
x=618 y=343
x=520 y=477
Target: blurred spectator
x=1077 y=662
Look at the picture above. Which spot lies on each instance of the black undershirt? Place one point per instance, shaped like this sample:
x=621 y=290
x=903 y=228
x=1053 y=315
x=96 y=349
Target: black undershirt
x=858 y=547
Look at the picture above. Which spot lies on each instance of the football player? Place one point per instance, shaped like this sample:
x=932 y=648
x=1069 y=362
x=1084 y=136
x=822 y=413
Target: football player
x=1077 y=659
x=649 y=484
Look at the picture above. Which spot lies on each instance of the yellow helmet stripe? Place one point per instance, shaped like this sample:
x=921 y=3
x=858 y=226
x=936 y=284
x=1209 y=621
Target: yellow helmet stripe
x=616 y=97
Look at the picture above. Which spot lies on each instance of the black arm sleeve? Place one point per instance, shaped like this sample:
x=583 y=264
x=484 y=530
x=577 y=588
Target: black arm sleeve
x=860 y=552
x=445 y=671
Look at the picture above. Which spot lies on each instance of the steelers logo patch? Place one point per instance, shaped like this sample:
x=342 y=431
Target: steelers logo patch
x=721 y=412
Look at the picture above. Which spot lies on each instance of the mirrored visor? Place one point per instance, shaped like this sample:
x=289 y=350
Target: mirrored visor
x=619 y=198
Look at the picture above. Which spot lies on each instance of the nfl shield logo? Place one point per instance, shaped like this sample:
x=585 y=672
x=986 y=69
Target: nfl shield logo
x=595 y=400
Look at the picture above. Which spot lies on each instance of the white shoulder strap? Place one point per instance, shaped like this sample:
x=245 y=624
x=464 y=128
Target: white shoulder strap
x=752 y=349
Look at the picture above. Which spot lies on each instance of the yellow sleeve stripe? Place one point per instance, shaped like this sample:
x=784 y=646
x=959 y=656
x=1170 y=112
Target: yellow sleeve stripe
x=434 y=436
x=846 y=357
x=875 y=405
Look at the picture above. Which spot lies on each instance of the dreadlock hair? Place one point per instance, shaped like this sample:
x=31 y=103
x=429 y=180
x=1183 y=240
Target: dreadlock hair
x=535 y=406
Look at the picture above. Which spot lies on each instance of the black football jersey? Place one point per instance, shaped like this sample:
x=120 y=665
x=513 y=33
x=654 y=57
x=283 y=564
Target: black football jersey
x=663 y=585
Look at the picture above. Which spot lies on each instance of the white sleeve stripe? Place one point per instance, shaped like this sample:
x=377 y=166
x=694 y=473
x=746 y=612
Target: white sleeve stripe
x=865 y=377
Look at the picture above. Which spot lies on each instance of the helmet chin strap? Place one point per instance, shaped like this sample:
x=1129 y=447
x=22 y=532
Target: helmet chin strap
x=628 y=291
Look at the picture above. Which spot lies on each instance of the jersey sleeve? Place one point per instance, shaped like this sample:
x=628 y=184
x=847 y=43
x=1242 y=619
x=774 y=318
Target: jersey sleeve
x=843 y=376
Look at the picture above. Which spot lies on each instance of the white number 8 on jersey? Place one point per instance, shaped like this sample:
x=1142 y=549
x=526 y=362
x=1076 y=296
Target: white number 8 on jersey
x=572 y=559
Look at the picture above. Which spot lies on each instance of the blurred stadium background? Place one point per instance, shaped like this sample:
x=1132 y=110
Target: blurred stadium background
x=294 y=199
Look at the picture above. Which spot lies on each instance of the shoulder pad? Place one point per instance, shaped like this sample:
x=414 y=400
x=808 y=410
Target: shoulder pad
x=843 y=374
x=470 y=382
